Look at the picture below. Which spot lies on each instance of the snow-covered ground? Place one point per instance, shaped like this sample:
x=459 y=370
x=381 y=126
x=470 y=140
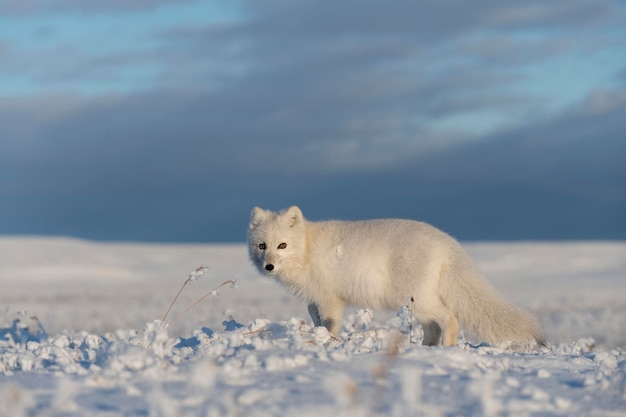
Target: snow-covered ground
x=79 y=336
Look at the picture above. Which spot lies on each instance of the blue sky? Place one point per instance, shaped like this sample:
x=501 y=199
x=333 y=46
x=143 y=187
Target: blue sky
x=167 y=120
x=120 y=42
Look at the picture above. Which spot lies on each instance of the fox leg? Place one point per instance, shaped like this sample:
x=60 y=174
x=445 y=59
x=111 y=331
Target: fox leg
x=432 y=334
x=314 y=312
x=331 y=313
x=440 y=324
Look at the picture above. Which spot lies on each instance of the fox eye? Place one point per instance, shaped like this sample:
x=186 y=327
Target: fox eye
x=282 y=245
x=262 y=246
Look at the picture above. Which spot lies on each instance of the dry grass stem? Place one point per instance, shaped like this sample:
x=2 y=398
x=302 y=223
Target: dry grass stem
x=256 y=332
x=212 y=292
x=193 y=276
x=335 y=338
x=302 y=323
x=173 y=302
x=411 y=301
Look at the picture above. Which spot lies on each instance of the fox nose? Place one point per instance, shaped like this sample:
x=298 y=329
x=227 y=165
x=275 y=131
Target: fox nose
x=269 y=267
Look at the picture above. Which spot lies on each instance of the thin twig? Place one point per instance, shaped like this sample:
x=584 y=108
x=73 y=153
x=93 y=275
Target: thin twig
x=212 y=292
x=335 y=338
x=256 y=332
x=411 y=301
x=173 y=302
x=192 y=277
x=329 y=335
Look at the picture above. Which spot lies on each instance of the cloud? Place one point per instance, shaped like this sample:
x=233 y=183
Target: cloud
x=579 y=145
x=605 y=101
x=120 y=160
x=560 y=178
x=39 y=7
x=424 y=58
x=406 y=109
x=421 y=19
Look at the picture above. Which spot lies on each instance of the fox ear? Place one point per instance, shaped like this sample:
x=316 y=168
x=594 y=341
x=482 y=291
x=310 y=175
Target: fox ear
x=256 y=216
x=294 y=214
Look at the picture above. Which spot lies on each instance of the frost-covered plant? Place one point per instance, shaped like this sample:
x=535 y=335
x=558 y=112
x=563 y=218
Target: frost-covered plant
x=193 y=277
x=155 y=337
x=406 y=320
x=411 y=300
x=363 y=319
x=20 y=332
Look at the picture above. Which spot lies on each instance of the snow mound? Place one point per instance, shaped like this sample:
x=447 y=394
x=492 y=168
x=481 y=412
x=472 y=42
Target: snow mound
x=290 y=368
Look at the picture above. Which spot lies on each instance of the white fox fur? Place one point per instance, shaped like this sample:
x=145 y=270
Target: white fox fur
x=383 y=264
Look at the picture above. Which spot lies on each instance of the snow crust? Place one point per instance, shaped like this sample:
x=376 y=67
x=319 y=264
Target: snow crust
x=81 y=335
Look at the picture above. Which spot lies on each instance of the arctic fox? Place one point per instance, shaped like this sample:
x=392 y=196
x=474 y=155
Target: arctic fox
x=384 y=264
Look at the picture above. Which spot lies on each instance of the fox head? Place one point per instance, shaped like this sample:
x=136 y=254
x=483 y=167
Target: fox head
x=276 y=241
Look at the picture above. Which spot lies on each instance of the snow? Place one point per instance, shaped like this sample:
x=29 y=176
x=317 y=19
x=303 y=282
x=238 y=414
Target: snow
x=81 y=335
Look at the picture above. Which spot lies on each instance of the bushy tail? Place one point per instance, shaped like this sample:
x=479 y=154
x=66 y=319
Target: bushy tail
x=481 y=310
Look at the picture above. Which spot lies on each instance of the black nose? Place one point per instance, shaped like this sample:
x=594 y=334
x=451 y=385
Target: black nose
x=269 y=267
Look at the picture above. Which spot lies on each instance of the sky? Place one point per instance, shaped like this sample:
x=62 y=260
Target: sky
x=167 y=121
